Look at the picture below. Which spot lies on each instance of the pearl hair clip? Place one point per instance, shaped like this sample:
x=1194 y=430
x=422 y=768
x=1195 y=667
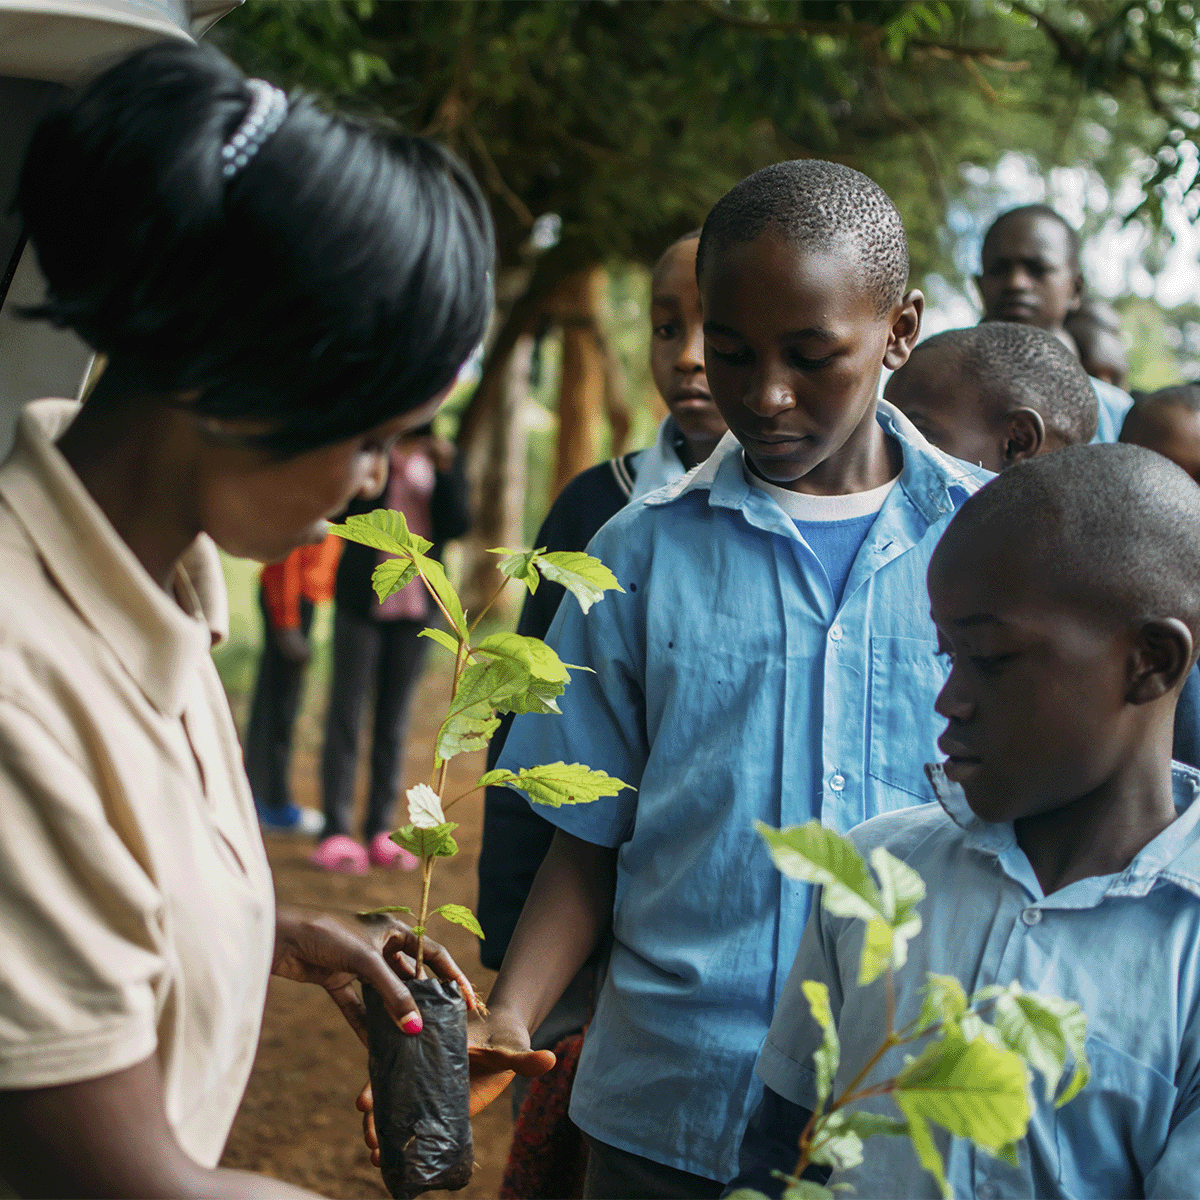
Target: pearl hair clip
x=268 y=108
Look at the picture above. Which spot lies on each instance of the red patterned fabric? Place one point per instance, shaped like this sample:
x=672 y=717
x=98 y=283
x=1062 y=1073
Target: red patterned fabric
x=548 y=1155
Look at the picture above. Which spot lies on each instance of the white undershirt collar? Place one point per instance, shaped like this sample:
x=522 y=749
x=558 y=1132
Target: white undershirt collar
x=803 y=506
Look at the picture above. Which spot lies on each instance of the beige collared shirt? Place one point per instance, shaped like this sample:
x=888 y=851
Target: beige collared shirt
x=136 y=907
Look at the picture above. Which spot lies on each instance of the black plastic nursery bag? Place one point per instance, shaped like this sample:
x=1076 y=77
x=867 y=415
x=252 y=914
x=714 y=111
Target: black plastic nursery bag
x=422 y=1089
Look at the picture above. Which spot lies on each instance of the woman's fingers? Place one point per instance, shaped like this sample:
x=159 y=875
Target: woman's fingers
x=400 y=950
x=365 y=1103
x=353 y=1009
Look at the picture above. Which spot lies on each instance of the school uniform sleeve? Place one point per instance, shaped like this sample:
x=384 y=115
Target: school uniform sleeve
x=602 y=723
x=785 y=1063
x=78 y=951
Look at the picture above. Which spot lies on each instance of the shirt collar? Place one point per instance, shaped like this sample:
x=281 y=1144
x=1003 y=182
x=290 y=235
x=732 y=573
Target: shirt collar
x=934 y=482
x=660 y=463
x=158 y=641
x=1174 y=855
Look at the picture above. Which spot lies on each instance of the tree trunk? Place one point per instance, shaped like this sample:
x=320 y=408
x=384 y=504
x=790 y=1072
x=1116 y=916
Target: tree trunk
x=576 y=306
x=495 y=463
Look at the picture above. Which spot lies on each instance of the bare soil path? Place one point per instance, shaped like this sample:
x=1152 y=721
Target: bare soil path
x=298 y=1121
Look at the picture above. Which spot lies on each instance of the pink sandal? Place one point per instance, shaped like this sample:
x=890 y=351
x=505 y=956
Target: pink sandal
x=342 y=854
x=385 y=853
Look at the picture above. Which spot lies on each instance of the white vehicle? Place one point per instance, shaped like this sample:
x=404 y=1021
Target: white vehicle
x=46 y=47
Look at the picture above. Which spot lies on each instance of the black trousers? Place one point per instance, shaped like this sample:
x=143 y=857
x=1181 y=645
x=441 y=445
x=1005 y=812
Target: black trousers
x=614 y=1174
x=386 y=656
x=277 y=694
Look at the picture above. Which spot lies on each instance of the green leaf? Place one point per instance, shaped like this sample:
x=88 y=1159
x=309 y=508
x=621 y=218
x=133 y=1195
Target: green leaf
x=814 y=854
x=585 y=577
x=827 y=1056
x=387 y=908
x=548 y=674
x=841 y=1151
x=1043 y=1029
x=391 y=575
x=468 y=731
x=441 y=637
x=927 y=1152
x=945 y=1000
x=866 y=1124
x=427 y=843
x=876 y=951
x=531 y=653
x=1008 y=1154
x=901 y=889
x=973 y=1089
x=558 y=783
x=518 y=564
x=435 y=574
x=541 y=698
x=471 y=718
x=805 y=1189
x=460 y=914
x=384 y=529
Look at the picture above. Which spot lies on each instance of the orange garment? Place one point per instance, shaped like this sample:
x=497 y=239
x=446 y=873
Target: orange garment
x=308 y=571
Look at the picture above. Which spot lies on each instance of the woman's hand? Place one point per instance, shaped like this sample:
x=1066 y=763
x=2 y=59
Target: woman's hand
x=319 y=949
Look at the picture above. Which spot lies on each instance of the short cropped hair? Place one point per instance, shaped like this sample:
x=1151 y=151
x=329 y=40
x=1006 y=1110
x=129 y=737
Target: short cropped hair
x=1181 y=395
x=1112 y=529
x=1074 y=245
x=338 y=280
x=818 y=206
x=1022 y=365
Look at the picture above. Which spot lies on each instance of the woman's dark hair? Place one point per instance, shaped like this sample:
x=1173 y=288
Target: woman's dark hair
x=338 y=280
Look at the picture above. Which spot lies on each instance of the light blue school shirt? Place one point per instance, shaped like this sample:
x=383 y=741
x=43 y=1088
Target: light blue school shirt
x=1126 y=947
x=1112 y=404
x=730 y=686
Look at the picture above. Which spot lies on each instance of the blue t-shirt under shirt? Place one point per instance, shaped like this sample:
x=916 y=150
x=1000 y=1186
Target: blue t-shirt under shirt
x=834 y=527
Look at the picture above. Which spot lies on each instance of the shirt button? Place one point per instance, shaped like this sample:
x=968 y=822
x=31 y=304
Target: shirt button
x=837 y=782
x=1031 y=916
x=835 y=634
x=987 y=1190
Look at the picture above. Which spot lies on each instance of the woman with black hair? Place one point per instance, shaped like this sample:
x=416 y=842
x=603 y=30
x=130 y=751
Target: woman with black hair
x=280 y=294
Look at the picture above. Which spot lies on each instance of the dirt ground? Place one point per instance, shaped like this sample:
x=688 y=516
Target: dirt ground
x=298 y=1121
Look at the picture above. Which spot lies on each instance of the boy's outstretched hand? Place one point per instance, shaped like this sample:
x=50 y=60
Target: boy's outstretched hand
x=498 y=1047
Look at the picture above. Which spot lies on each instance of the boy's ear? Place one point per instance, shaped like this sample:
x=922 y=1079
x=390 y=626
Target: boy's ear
x=1162 y=659
x=906 y=328
x=1024 y=435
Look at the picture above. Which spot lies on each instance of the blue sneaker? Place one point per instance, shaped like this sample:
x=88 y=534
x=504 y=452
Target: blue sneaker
x=291 y=819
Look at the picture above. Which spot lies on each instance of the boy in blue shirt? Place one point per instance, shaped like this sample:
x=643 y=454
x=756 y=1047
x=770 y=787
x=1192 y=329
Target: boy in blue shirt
x=996 y=394
x=771 y=657
x=1030 y=273
x=1066 y=851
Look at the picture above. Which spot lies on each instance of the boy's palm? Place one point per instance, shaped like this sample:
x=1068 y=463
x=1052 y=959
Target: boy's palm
x=498 y=1050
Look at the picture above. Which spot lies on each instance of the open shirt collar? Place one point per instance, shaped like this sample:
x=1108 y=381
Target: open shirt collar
x=157 y=640
x=1173 y=856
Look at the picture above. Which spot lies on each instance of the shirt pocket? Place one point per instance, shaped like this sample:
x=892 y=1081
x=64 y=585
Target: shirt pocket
x=906 y=677
x=1112 y=1133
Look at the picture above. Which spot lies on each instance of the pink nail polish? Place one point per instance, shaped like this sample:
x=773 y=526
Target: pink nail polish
x=412 y=1024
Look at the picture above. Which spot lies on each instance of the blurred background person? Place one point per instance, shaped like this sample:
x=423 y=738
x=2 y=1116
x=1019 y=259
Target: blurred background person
x=378 y=651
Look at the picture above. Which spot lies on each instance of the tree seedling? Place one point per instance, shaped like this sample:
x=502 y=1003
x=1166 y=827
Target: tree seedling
x=501 y=673
x=971 y=1077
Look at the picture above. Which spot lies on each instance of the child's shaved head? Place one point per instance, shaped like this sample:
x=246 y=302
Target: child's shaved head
x=1168 y=422
x=818 y=206
x=973 y=392
x=1111 y=530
